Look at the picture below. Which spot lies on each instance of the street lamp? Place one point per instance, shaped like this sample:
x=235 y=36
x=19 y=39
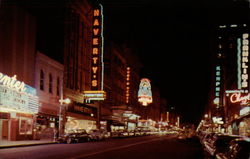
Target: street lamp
x=62 y=102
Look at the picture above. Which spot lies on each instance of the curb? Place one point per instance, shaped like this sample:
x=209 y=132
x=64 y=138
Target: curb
x=24 y=145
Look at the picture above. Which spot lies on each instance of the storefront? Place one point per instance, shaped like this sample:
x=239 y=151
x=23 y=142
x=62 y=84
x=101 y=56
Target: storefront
x=80 y=116
x=241 y=125
x=18 y=106
x=131 y=120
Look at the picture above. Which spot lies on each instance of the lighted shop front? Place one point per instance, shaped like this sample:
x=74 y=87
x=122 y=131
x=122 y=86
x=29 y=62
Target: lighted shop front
x=80 y=116
x=75 y=123
x=240 y=121
x=18 y=106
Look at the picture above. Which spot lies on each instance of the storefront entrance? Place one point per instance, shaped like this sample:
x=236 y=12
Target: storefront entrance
x=4 y=129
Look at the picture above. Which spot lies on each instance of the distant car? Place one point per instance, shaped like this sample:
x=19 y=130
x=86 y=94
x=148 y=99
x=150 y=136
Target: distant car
x=182 y=135
x=119 y=133
x=74 y=136
x=98 y=134
x=237 y=149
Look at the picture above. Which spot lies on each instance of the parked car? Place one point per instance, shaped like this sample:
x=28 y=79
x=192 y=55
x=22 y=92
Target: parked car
x=74 y=136
x=237 y=149
x=218 y=143
x=118 y=133
x=98 y=134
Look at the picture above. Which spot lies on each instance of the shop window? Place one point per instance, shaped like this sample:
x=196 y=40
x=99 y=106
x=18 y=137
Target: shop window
x=50 y=83
x=58 y=87
x=41 y=80
x=25 y=126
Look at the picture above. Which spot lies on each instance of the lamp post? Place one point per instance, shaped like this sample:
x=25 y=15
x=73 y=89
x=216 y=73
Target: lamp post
x=62 y=102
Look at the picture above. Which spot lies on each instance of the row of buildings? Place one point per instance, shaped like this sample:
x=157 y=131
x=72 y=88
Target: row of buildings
x=228 y=110
x=55 y=51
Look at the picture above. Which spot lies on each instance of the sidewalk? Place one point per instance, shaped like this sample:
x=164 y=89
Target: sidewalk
x=9 y=144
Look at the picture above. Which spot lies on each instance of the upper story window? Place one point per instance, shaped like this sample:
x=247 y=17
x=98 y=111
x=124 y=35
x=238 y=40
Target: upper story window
x=58 y=87
x=41 y=80
x=50 y=83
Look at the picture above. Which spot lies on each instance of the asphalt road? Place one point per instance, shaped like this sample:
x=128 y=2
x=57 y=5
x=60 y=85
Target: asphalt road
x=147 y=147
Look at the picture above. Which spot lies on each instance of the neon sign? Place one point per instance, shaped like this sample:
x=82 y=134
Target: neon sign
x=97 y=64
x=127 y=85
x=12 y=82
x=97 y=50
x=244 y=63
x=217 y=85
x=237 y=97
x=94 y=95
x=144 y=93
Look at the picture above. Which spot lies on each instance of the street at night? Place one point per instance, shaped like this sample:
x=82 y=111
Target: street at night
x=124 y=79
x=148 y=147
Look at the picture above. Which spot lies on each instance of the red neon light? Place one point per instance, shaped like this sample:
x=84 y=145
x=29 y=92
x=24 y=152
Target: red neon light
x=236 y=97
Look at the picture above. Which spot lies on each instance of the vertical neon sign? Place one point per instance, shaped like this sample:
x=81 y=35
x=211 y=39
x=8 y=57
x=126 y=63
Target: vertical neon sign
x=217 y=85
x=244 y=62
x=127 y=85
x=97 y=50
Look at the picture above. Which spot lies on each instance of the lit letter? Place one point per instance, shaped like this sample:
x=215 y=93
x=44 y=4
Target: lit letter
x=244 y=59
x=6 y=80
x=245 y=48
x=95 y=60
x=245 y=42
x=96 y=31
x=96 y=12
x=95 y=51
x=96 y=22
x=13 y=81
x=244 y=84
x=94 y=83
x=245 y=35
x=95 y=41
x=244 y=76
x=94 y=69
x=244 y=65
x=245 y=53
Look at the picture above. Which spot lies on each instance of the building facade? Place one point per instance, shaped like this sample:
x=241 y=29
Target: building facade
x=230 y=77
x=48 y=82
x=18 y=99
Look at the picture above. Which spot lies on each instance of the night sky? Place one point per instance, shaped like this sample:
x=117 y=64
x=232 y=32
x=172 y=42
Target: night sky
x=173 y=39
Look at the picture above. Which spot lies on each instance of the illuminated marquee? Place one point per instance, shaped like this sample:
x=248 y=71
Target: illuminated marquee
x=12 y=82
x=94 y=95
x=97 y=50
x=238 y=97
x=17 y=96
x=144 y=93
x=244 y=62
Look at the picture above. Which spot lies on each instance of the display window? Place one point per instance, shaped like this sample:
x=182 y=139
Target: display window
x=25 y=126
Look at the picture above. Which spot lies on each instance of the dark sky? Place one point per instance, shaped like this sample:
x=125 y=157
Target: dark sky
x=172 y=37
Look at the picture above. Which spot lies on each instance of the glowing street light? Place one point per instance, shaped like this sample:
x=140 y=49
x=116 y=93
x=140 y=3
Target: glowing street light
x=62 y=102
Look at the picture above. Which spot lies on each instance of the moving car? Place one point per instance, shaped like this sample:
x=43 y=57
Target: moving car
x=74 y=136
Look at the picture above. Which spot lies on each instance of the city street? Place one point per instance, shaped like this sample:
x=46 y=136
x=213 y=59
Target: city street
x=149 y=147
